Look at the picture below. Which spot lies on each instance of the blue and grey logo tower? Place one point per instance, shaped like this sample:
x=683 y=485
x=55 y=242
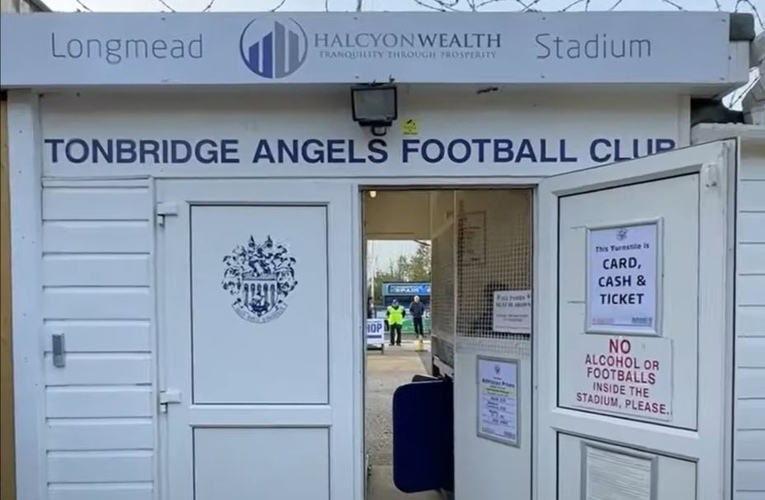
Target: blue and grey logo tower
x=273 y=49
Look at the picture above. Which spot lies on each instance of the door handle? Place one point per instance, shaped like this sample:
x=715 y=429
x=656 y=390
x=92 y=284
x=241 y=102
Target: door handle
x=59 y=358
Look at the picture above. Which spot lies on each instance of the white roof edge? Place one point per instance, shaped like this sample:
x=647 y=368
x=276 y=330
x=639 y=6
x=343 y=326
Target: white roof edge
x=757 y=54
x=753 y=103
x=706 y=132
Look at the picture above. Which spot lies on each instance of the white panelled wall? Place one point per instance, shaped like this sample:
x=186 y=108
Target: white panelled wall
x=100 y=433
x=98 y=436
x=749 y=448
x=749 y=379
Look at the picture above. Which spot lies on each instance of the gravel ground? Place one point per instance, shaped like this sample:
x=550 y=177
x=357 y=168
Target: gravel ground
x=385 y=372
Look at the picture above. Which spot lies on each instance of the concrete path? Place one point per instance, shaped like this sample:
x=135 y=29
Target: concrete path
x=381 y=487
x=385 y=372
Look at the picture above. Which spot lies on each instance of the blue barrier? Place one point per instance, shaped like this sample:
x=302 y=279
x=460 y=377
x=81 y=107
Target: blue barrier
x=423 y=435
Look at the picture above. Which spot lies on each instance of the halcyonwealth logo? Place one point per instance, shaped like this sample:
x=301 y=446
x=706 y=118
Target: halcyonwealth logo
x=273 y=49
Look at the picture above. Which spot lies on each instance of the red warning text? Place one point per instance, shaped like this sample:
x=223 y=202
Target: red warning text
x=617 y=376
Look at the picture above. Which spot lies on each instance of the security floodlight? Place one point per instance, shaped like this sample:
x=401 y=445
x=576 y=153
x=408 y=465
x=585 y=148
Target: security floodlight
x=374 y=106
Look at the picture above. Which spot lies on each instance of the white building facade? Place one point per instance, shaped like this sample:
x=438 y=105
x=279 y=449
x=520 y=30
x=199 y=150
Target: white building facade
x=186 y=200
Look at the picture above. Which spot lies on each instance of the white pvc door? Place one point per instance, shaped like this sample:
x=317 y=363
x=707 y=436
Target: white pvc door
x=257 y=349
x=633 y=345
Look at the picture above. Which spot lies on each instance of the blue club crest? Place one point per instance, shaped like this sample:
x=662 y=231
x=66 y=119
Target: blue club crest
x=260 y=276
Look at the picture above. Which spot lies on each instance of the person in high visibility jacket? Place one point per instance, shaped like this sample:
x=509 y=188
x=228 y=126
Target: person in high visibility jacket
x=395 y=315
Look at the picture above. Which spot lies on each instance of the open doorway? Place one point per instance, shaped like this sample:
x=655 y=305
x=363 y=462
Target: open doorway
x=398 y=271
x=454 y=249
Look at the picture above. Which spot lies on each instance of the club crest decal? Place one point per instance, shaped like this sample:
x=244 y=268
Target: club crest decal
x=260 y=276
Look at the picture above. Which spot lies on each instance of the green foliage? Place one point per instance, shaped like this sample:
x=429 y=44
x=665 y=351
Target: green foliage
x=405 y=268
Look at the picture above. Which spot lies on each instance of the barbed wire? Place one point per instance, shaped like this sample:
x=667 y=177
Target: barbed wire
x=585 y=5
x=732 y=99
x=359 y=6
x=207 y=8
x=478 y=5
x=753 y=7
x=84 y=7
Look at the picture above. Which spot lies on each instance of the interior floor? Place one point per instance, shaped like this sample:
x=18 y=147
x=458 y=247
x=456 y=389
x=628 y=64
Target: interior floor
x=381 y=487
x=402 y=216
x=386 y=372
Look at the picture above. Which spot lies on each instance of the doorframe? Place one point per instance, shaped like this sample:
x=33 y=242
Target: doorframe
x=434 y=184
x=545 y=284
x=358 y=187
x=358 y=256
x=25 y=183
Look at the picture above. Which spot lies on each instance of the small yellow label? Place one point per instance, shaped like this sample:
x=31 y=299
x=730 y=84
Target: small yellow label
x=410 y=127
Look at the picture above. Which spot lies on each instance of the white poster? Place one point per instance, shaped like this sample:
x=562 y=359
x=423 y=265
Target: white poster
x=498 y=400
x=472 y=227
x=511 y=311
x=622 y=279
x=375 y=332
x=610 y=475
x=629 y=376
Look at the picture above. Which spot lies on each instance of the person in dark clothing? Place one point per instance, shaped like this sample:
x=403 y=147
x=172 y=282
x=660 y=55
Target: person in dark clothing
x=370 y=309
x=418 y=311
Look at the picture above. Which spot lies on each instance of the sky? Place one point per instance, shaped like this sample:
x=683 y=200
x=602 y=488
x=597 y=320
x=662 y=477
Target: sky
x=399 y=5
x=380 y=254
x=387 y=251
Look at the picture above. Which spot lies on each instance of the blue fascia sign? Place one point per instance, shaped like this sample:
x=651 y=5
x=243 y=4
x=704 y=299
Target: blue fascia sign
x=337 y=151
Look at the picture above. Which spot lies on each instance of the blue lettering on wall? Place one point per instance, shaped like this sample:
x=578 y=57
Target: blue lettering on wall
x=486 y=151
x=336 y=151
x=143 y=151
x=607 y=150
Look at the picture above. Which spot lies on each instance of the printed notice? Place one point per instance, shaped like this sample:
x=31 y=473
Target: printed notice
x=610 y=475
x=627 y=376
x=472 y=238
x=498 y=400
x=511 y=312
x=622 y=279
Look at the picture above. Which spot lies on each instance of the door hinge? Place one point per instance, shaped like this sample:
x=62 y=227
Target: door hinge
x=168 y=397
x=165 y=209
